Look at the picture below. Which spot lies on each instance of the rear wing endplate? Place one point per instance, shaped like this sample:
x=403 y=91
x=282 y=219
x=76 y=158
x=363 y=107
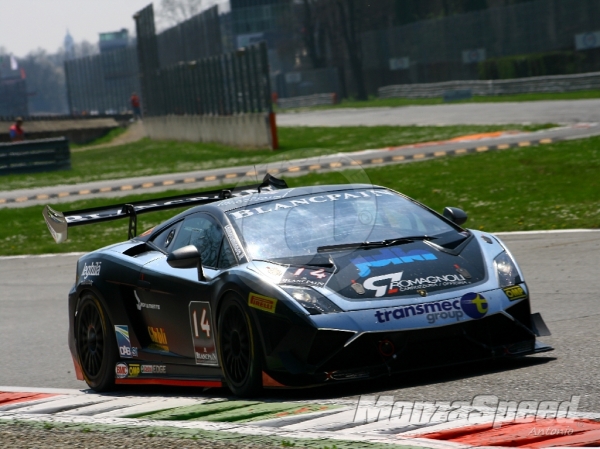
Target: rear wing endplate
x=59 y=222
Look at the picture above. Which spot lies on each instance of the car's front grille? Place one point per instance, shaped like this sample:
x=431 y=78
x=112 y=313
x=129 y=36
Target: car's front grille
x=424 y=348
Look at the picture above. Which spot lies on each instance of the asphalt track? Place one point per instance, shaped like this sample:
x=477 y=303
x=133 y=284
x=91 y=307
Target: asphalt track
x=295 y=164
x=560 y=268
x=560 y=111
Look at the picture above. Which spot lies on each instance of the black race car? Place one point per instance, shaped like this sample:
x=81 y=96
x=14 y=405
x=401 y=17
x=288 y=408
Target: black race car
x=269 y=286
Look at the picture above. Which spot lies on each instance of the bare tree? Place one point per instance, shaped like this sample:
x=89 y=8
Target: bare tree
x=172 y=12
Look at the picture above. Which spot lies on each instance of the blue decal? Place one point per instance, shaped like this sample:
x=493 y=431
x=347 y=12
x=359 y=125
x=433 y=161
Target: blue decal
x=123 y=342
x=388 y=256
x=474 y=305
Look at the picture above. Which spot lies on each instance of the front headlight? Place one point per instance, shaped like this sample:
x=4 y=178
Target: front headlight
x=506 y=271
x=314 y=302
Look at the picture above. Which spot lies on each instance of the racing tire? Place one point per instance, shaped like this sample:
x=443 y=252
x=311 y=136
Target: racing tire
x=239 y=348
x=96 y=344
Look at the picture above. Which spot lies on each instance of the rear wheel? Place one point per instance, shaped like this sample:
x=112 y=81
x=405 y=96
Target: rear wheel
x=239 y=348
x=96 y=344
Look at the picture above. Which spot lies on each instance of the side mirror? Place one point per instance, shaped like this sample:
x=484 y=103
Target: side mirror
x=187 y=257
x=455 y=215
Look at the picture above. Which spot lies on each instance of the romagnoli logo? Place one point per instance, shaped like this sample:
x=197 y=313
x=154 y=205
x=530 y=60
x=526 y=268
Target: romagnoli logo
x=474 y=305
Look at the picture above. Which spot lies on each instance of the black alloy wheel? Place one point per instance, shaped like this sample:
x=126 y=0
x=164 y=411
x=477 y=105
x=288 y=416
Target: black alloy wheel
x=239 y=349
x=96 y=345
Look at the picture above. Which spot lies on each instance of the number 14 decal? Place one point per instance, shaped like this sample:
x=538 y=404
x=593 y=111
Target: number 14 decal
x=319 y=274
x=204 y=324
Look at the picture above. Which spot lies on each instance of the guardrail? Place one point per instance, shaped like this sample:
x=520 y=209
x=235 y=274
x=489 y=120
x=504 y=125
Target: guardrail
x=307 y=100
x=537 y=84
x=33 y=156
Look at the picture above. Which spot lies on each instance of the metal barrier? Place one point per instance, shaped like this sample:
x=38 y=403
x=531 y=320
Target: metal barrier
x=307 y=100
x=33 y=156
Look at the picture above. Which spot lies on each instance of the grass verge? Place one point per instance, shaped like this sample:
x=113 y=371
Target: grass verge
x=107 y=138
x=147 y=157
x=57 y=434
x=551 y=186
x=374 y=102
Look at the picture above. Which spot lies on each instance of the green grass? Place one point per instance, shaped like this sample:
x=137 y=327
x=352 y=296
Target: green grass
x=107 y=138
x=553 y=186
x=147 y=157
x=374 y=102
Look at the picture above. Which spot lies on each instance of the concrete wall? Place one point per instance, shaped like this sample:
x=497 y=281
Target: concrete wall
x=244 y=130
x=558 y=83
x=307 y=100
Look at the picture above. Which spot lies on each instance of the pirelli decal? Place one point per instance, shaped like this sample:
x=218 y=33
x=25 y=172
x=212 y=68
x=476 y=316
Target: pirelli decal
x=261 y=302
x=515 y=292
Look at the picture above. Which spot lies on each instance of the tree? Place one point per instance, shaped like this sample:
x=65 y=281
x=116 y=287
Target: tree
x=172 y=12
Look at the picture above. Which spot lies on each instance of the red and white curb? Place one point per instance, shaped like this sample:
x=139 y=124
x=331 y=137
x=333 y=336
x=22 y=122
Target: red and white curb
x=418 y=424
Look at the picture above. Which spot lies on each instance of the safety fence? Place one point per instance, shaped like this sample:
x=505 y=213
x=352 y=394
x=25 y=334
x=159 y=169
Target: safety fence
x=103 y=83
x=34 y=156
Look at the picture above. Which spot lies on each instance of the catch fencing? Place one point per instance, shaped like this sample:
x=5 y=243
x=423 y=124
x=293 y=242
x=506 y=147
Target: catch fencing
x=103 y=83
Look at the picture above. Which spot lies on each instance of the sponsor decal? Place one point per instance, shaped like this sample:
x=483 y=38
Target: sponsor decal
x=235 y=243
x=134 y=351
x=142 y=305
x=203 y=337
x=121 y=370
x=134 y=370
x=159 y=338
x=307 y=201
x=515 y=292
x=91 y=270
x=473 y=305
x=462 y=271
x=273 y=271
x=154 y=369
x=122 y=334
x=306 y=276
x=357 y=287
x=390 y=284
x=387 y=256
x=261 y=302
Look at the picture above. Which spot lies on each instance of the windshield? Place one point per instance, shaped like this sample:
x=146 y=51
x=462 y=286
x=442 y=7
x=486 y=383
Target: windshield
x=298 y=226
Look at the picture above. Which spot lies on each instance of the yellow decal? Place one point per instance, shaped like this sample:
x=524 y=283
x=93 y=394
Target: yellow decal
x=158 y=337
x=515 y=292
x=134 y=370
x=262 y=302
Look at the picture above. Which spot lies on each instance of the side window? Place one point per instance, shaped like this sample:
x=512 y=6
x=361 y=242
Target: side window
x=226 y=258
x=201 y=231
x=164 y=240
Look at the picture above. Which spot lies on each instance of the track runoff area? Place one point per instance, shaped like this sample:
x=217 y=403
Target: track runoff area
x=370 y=421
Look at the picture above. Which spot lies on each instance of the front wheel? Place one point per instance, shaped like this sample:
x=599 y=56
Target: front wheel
x=96 y=345
x=239 y=349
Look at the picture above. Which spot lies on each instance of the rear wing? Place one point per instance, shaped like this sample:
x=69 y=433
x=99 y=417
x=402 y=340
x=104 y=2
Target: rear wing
x=59 y=222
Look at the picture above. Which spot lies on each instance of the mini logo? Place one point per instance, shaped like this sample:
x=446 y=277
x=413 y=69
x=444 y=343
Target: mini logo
x=121 y=370
x=358 y=288
x=91 y=270
x=462 y=271
x=515 y=292
x=274 y=271
x=261 y=302
x=474 y=305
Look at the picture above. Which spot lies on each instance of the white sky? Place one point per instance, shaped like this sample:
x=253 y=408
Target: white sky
x=26 y=25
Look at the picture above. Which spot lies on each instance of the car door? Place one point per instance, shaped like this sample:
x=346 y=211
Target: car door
x=177 y=306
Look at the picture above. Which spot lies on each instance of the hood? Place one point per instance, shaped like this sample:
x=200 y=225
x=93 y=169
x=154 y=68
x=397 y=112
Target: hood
x=417 y=268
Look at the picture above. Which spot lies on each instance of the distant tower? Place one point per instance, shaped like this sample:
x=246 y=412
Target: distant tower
x=69 y=45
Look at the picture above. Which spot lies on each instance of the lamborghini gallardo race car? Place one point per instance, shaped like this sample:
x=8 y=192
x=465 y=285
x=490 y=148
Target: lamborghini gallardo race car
x=269 y=286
